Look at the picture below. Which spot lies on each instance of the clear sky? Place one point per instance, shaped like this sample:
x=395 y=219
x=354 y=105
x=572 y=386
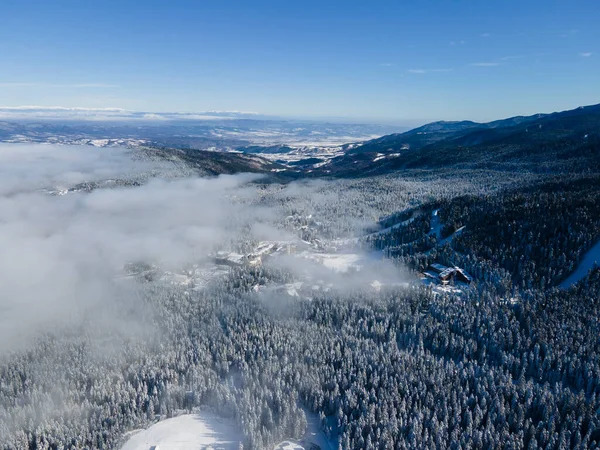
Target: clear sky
x=376 y=60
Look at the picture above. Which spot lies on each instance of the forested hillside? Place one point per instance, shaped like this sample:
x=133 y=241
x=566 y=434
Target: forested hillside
x=397 y=369
x=568 y=141
x=386 y=358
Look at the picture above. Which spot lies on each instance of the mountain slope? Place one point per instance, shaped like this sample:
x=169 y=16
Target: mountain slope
x=558 y=142
x=209 y=163
x=413 y=139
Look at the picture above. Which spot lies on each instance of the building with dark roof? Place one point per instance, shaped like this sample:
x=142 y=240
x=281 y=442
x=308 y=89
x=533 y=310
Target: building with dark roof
x=446 y=275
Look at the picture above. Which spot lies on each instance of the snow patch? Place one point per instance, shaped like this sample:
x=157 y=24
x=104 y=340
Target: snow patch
x=589 y=260
x=338 y=262
x=188 y=432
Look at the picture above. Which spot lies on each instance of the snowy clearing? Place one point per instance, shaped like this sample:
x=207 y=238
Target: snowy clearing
x=449 y=238
x=436 y=226
x=315 y=435
x=289 y=445
x=393 y=227
x=588 y=261
x=188 y=432
x=338 y=262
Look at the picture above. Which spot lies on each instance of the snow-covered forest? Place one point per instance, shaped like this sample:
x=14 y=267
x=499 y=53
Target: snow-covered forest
x=133 y=291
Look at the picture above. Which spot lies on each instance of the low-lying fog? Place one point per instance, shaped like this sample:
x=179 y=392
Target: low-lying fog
x=72 y=217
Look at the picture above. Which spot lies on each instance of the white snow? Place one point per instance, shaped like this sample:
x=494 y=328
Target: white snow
x=588 y=261
x=315 y=435
x=458 y=232
x=232 y=257
x=393 y=227
x=293 y=288
x=99 y=142
x=338 y=262
x=177 y=279
x=289 y=445
x=188 y=432
x=436 y=229
x=376 y=285
x=436 y=226
x=438 y=289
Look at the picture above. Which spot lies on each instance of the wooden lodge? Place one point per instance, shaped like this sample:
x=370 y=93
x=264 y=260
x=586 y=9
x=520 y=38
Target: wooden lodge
x=447 y=275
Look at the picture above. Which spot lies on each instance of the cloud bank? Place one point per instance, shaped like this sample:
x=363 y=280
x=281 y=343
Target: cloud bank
x=73 y=219
x=78 y=113
x=484 y=64
x=63 y=255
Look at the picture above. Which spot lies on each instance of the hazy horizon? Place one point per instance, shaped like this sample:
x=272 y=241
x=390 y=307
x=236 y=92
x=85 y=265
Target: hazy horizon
x=115 y=114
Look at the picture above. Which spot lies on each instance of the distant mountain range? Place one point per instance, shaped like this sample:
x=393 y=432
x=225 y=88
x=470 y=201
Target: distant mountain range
x=562 y=141
x=212 y=130
x=232 y=142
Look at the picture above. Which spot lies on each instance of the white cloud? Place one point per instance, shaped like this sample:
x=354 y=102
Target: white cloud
x=152 y=116
x=52 y=85
x=60 y=112
x=568 y=33
x=387 y=65
x=484 y=64
x=58 y=108
x=63 y=255
x=80 y=113
x=586 y=54
x=93 y=85
x=422 y=71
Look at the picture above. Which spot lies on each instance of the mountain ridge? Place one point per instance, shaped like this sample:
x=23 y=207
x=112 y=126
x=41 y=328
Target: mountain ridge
x=540 y=141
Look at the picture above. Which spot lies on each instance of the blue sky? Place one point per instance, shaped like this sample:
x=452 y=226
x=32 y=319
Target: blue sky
x=372 y=60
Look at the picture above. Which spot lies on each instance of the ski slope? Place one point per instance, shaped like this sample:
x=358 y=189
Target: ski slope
x=188 y=432
x=588 y=261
